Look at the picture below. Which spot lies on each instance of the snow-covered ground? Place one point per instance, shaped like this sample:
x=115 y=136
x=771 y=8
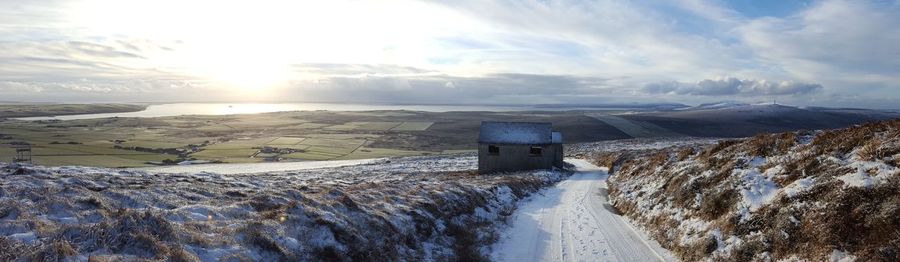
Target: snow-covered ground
x=572 y=221
x=590 y=150
x=813 y=196
x=415 y=208
x=245 y=168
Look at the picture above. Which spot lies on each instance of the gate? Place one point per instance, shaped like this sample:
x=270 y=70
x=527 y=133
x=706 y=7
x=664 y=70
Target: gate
x=23 y=152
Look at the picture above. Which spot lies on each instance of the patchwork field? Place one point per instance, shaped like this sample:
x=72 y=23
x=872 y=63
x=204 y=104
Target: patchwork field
x=333 y=135
x=282 y=136
x=413 y=126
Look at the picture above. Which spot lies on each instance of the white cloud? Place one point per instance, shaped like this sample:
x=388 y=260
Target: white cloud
x=554 y=51
x=731 y=86
x=850 y=43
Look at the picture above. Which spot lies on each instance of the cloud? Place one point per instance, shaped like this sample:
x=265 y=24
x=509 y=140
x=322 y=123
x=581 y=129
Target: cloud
x=855 y=43
x=400 y=84
x=98 y=50
x=731 y=86
x=114 y=69
x=61 y=60
x=504 y=51
x=353 y=70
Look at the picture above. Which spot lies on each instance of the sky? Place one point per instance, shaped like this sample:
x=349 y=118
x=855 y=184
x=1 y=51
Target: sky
x=837 y=53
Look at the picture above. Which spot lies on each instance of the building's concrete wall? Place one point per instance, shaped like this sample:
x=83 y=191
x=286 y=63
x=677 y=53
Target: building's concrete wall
x=516 y=158
x=557 y=155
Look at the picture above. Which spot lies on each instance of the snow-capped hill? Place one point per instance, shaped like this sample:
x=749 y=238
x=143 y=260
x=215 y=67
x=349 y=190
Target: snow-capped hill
x=744 y=107
x=717 y=105
x=766 y=108
x=795 y=196
x=750 y=119
x=767 y=113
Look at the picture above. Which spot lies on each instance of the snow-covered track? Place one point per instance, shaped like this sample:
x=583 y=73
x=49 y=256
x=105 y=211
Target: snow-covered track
x=573 y=221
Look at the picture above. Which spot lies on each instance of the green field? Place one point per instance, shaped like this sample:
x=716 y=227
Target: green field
x=286 y=141
x=364 y=153
x=242 y=143
x=311 y=156
x=217 y=154
x=413 y=126
x=94 y=160
x=282 y=136
x=127 y=142
x=121 y=142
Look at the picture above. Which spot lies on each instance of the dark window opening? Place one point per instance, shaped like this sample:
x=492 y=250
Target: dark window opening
x=535 y=151
x=493 y=150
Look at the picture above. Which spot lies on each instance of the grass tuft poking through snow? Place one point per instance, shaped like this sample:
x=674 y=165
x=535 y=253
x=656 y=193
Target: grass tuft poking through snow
x=817 y=196
x=418 y=208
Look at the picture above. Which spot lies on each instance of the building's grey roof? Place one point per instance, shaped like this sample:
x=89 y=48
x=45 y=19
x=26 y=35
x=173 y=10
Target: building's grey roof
x=556 y=138
x=515 y=133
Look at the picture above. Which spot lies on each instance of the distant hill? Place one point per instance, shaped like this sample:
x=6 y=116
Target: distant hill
x=632 y=106
x=741 y=120
x=33 y=110
x=717 y=105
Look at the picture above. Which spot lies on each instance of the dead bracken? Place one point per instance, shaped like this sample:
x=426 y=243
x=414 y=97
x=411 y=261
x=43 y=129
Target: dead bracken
x=801 y=195
x=349 y=213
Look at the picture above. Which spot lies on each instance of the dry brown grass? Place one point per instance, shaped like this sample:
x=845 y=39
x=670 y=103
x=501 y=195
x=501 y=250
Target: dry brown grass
x=56 y=251
x=764 y=145
x=718 y=203
x=11 y=249
x=683 y=154
x=337 y=218
x=810 y=225
x=871 y=150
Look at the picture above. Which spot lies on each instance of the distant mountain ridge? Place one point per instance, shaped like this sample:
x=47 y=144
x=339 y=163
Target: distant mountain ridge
x=652 y=106
x=716 y=105
x=734 y=119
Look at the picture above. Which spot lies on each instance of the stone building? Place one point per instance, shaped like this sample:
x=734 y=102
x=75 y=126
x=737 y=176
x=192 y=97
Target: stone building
x=516 y=146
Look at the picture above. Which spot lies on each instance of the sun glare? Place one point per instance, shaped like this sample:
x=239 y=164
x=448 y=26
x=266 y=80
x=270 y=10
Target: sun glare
x=251 y=46
x=248 y=77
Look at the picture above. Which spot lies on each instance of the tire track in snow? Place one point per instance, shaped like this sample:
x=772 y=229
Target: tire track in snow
x=570 y=223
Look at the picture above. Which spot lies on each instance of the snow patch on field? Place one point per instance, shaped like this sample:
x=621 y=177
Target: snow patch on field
x=799 y=186
x=757 y=190
x=841 y=256
x=868 y=173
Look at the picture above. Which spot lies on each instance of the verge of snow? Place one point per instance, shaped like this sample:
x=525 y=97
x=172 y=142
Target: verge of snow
x=868 y=174
x=799 y=186
x=841 y=256
x=757 y=190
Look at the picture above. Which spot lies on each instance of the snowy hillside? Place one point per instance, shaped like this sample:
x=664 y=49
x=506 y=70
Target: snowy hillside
x=419 y=208
x=743 y=120
x=718 y=105
x=594 y=149
x=810 y=196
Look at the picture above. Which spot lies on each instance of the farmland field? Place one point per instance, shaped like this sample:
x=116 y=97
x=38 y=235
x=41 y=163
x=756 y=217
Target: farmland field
x=413 y=126
x=280 y=136
x=287 y=141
